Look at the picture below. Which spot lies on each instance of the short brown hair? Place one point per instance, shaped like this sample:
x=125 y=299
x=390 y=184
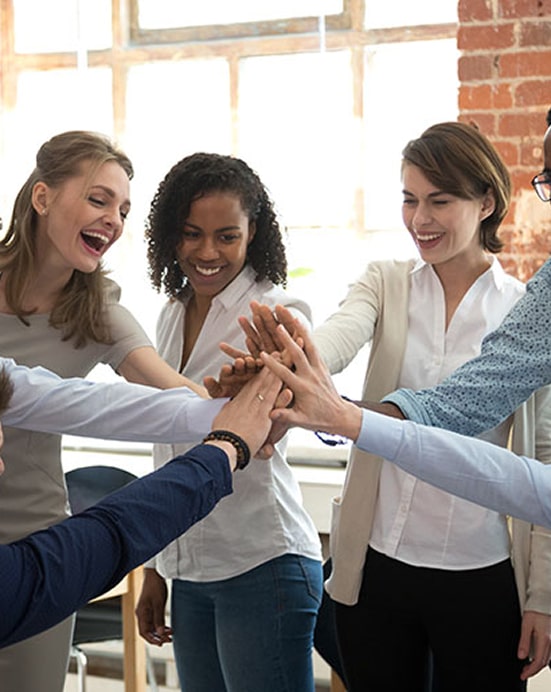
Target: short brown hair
x=460 y=160
x=6 y=390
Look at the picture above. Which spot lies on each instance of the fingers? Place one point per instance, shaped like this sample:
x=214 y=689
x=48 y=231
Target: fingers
x=252 y=338
x=232 y=351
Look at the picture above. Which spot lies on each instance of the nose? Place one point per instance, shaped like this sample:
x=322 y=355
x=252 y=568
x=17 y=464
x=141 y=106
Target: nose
x=421 y=215
x=113 y=219
x=207 y=249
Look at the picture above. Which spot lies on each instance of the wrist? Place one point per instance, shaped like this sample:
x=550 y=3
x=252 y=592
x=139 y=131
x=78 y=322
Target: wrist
x=227 y=448
x=236 y=448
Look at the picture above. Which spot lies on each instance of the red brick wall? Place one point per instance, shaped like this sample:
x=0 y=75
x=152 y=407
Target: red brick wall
x=505 y=87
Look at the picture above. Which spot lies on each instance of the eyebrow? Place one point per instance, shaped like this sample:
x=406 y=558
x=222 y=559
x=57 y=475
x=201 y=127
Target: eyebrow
x=218 y=230
x=431 y=194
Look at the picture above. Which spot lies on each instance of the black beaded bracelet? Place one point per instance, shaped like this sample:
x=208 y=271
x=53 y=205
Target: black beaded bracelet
x=241 y=447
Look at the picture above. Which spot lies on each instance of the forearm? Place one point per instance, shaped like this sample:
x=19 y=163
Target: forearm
x=44 y=402
x=49 y=575
x=515 y=361
x=473 y=469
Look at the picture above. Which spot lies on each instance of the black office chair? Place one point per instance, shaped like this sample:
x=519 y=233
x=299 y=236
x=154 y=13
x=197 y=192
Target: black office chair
x=100 y=621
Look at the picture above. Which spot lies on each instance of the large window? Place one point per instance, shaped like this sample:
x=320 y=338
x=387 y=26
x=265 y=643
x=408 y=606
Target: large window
x=319 y=96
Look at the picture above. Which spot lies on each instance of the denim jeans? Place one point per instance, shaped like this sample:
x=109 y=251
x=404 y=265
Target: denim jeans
x=250 y=633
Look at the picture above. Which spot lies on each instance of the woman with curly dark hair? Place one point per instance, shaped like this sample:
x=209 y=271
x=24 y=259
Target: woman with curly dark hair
x=246 y=581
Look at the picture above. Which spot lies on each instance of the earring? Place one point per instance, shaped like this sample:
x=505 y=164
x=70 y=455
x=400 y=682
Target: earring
x=44 y=211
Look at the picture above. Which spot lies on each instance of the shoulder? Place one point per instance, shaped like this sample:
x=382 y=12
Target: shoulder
x=111 y=291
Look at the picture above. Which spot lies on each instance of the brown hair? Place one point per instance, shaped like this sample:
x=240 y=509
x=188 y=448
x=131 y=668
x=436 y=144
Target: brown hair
x=461 y=161
x=6 y=390
x=79 y=308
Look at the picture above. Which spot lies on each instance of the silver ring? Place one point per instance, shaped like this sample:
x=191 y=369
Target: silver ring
x=260 y=397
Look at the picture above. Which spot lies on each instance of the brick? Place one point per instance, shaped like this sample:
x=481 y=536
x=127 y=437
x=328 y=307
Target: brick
x=521 y=9
x=475 y=11
x=531 y=154
x=475 y=67
x=533 y=92
x=521 y=124
x=525 y=64
x=502 y=97
x=475 y=97
x=485 y=121
x=508 y=152
x=536 y=33
x=486 y=37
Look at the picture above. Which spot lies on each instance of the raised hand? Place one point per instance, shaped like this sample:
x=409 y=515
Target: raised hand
x=316 y=403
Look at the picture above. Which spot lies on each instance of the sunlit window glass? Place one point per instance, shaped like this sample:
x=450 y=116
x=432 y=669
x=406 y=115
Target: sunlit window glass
x=71 y=25
x=172 y=110
x=296 y=125
x=159 y=14
x=406 y=90
x=48 y=103
x=407 y=13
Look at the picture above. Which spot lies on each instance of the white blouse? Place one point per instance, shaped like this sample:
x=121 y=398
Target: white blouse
x=415 y=522
x=264 y=517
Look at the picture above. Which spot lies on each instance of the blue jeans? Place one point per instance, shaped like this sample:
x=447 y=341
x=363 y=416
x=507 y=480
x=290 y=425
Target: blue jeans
x=250 y=633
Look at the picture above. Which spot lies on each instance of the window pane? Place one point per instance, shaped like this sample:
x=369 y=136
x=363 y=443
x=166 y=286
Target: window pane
x=66 y=100
x=296 y=127
x=173 y=109
x=86 y=25
x=164 y=14
x=408 y=86
x=407 y=13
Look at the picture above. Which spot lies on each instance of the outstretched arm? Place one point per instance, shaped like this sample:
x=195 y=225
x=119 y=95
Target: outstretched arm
x=49 y=574
x=514 y=362
x=470 y=468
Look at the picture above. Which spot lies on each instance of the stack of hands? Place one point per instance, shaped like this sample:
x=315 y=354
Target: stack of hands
x=281 y=382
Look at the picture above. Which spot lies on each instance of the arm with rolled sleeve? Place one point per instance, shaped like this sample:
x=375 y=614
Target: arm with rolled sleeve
x=467 y=467
x=44 y=402
x=51 y=573
x=514 y=362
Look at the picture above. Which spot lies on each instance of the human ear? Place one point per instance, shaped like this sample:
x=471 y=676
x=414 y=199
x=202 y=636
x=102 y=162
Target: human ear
x=40 y=198
x=488 y=205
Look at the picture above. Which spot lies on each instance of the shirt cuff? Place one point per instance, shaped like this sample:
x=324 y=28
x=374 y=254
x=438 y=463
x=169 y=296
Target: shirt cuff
x=380 y=435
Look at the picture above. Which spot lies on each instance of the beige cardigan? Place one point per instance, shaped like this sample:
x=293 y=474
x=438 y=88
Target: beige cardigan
x=376 y=311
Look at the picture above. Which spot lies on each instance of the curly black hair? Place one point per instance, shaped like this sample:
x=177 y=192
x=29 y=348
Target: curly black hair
x=191 y=178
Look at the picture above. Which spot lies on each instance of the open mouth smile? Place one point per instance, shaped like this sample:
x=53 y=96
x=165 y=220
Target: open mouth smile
x=95 y=240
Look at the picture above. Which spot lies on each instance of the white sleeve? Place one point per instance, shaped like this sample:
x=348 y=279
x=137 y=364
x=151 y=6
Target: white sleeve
x=44 y=402
x=470 y=468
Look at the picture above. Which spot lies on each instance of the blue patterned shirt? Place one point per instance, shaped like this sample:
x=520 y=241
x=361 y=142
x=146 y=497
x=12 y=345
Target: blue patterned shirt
x=515 y=361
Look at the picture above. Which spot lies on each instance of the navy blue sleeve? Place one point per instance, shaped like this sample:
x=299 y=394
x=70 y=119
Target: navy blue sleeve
x=50 y=574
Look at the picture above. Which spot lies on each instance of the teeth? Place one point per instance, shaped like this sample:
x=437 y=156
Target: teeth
x=425 y=238
x=207 y=271
x=100 y=236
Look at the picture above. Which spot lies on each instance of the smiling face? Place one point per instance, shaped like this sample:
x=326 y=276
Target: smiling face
x=445 y=228
x=82 y=218
x=215 y=237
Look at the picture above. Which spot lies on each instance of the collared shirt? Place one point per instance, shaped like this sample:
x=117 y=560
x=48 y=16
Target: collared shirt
x=44 y=402
x=470 y=468
x=265 y=517
x=415 y=522
x=515 y=360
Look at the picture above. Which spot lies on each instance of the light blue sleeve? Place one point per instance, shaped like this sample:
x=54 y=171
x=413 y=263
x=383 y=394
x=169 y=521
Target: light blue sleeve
x=514 y=362
x=44 y=402
x=473 y=469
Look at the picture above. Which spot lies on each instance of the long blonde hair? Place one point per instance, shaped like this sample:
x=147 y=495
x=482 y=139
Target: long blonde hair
x=79 y=309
